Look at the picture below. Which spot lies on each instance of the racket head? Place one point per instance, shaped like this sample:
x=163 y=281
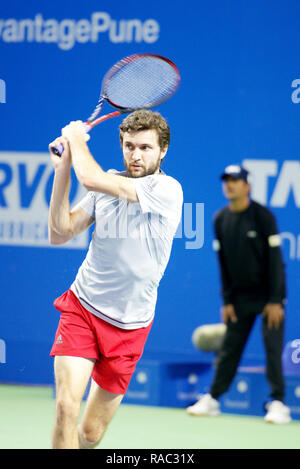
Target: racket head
x=140 y=81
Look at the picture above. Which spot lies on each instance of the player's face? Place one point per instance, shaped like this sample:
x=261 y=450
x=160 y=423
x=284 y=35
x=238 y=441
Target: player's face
x=142 y=153
x=235 y=189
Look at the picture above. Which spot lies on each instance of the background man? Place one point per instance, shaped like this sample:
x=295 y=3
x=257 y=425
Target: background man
x=253 y=283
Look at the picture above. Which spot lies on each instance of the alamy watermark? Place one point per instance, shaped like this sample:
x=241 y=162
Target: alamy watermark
x=120 y=224
x=296 y=353
x=191 y=226
x=2 y=91
x=2 y=351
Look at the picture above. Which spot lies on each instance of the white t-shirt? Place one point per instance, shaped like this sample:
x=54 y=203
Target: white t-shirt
x=129 y=251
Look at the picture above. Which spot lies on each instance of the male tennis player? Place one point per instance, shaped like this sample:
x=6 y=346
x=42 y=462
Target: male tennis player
x=107 y=313
x=253 y=283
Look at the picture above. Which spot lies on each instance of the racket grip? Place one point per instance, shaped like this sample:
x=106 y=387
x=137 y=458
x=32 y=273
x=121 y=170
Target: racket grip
x=57 y=150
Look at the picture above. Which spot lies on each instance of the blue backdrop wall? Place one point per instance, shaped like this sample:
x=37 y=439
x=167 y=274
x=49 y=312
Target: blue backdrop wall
x=239 y=101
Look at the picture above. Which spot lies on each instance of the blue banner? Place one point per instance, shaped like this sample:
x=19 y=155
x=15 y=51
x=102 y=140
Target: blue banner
x=239 y=102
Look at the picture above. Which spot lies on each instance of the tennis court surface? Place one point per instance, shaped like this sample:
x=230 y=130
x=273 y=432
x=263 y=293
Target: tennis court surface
x=27 y=415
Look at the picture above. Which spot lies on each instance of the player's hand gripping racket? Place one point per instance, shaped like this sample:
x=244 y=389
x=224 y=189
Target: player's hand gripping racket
x=140 y=81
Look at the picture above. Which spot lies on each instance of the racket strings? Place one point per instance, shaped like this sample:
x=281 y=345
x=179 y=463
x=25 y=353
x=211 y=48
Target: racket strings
x=141 y=83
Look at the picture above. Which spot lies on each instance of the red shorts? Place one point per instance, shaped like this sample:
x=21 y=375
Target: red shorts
x=82 y=334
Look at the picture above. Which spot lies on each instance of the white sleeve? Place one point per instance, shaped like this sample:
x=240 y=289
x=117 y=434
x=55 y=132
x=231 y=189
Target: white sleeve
x=159 y=194
x=88 y=203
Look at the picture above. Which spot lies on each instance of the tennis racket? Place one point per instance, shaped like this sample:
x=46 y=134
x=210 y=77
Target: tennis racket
x=139 y=81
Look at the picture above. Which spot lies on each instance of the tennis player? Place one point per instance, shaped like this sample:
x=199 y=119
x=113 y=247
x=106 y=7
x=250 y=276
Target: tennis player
x=107 y=313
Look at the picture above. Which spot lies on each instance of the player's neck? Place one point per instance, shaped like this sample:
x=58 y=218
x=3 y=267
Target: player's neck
x=240 y=204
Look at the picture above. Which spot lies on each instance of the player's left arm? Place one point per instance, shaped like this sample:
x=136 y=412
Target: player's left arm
x=274 y=258
x=89 y=173
x=274 y=308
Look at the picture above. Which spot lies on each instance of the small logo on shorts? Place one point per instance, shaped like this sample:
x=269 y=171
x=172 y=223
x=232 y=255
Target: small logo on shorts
x=59 y=340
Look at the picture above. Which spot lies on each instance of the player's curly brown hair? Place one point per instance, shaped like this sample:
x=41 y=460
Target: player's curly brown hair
x=143 y=119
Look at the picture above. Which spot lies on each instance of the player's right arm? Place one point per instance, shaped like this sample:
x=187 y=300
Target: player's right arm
x=64 y=224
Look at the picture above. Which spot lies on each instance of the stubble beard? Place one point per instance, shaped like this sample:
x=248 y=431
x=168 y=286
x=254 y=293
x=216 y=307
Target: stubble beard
x=142 y=172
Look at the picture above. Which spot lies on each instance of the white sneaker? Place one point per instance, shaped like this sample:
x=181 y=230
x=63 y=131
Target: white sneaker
x=207 y=405
x=277 y=413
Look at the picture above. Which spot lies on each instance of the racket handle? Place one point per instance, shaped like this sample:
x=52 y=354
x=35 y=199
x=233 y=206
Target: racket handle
x=58 y=149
